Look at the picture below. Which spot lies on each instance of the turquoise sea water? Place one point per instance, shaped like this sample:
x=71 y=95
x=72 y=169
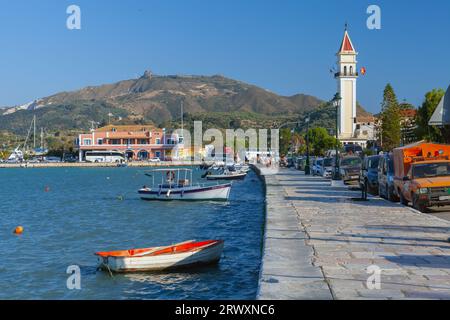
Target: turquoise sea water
x=68 y=214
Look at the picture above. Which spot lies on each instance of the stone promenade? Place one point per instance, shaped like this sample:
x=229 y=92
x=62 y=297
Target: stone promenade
x=319 y=244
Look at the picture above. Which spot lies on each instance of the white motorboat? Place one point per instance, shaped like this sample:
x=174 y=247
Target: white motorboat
x=176 y=184
x=225 y=174
x=16 y=156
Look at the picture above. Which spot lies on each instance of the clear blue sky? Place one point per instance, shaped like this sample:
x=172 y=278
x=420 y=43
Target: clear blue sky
x=285 y=46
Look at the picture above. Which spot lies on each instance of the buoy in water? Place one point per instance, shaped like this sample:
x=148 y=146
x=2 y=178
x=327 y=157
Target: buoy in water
x=47 y=189
x=18 y=230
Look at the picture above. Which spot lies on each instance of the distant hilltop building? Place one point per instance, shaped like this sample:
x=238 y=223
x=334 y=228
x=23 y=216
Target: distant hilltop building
x=148 y=74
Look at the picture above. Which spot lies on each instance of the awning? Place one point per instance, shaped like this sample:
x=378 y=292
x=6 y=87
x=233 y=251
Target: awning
x=441 y=116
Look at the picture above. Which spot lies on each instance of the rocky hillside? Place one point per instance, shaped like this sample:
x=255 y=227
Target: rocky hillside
x=154 y=99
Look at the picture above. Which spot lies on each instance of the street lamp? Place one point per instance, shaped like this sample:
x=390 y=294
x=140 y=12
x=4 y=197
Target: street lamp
x=337 y=104
x=307 y=165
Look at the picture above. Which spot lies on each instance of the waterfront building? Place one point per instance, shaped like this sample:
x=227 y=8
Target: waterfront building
x=136 y=142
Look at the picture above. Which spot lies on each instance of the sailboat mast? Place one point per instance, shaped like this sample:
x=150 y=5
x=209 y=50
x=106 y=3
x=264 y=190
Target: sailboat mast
x=182 y=118
x=34 y=133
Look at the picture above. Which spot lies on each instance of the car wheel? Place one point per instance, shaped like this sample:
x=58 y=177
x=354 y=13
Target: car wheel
x=380 y=193
x=403 y=201
x=390 y=194
x=417 y=205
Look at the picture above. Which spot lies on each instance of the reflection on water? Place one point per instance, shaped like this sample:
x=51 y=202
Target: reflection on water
x=90 y=210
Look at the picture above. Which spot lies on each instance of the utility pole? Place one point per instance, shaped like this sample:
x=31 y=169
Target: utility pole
x=337 y=171
x=34 y=133
x=308 y=164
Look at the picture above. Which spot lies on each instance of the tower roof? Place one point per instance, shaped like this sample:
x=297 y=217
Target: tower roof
x=347 y=45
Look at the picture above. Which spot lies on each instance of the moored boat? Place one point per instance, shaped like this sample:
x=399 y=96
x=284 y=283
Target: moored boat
x=175 y=256
x=225 y=174
x=176 y=184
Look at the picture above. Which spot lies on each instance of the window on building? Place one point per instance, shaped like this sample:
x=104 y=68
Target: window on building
x=143 y=141
x=351 y=70
x=99 y=142
x=345 y=70
x=87 y=142
x=158 y=141
x=115 y=141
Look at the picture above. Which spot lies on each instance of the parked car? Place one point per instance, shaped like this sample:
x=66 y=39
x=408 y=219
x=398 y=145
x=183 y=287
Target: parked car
x=353 y=148
x=326 y=170
x=369 y=174
x=70 y=158
x=350 y=168
x=386 y=188
x=52 y=159
x=35 y=160
x=301 y=163
x=290 y=163
x=422 y=175
x=317 y=167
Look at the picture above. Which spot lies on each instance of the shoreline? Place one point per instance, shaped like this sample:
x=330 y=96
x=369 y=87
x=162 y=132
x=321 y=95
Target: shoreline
x=97 y=165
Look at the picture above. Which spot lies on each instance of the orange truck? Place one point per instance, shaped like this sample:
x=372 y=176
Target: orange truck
x=422 y=175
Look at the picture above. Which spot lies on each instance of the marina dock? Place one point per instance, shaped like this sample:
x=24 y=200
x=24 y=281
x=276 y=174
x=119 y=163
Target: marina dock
x=137 y=164
x=320 y=243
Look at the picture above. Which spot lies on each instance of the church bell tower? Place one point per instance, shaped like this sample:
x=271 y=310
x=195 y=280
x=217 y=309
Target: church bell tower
x=346 y=81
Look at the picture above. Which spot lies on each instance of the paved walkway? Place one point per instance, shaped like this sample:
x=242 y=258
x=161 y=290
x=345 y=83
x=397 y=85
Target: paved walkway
x=319 y=244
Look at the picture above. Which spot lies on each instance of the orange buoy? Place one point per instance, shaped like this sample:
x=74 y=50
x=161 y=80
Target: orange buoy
x=18 y=230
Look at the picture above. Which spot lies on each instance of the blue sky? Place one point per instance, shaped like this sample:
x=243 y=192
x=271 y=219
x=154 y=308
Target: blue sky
x=284 y=46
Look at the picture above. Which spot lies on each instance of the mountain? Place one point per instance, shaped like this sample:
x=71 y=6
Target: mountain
x=155 y=99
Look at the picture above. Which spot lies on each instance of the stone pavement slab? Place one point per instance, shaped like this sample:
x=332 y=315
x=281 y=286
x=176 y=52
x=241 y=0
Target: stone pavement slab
x=319 y=244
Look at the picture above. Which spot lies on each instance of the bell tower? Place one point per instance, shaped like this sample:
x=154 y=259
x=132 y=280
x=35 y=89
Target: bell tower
x=346 y=82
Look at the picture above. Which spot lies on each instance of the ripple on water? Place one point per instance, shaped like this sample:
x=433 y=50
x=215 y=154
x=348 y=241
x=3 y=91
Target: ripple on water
x=88 y=210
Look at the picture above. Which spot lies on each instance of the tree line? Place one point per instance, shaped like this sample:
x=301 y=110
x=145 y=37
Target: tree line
x=390 y=134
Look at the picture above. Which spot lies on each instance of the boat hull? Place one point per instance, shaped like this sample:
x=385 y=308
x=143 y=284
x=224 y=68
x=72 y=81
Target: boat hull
x=227 y=177
x=205 y=256
x=211 y=193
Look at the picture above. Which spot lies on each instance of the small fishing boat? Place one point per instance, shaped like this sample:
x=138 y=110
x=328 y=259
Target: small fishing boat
x=225 y=174
x=175 y=256
x=176 y=184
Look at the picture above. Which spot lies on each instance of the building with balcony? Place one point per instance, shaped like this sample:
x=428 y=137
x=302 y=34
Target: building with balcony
x=136 y=142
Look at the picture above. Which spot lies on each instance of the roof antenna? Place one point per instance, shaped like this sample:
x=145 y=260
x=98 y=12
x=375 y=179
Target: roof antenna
x=346 y=26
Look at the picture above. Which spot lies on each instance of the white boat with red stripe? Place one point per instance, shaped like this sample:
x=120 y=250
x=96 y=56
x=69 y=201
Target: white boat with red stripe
x=181 y=255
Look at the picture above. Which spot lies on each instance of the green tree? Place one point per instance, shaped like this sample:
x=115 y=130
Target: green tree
x=285 y=141
x=390 y=117
x=320 y=141
x=424 y=131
